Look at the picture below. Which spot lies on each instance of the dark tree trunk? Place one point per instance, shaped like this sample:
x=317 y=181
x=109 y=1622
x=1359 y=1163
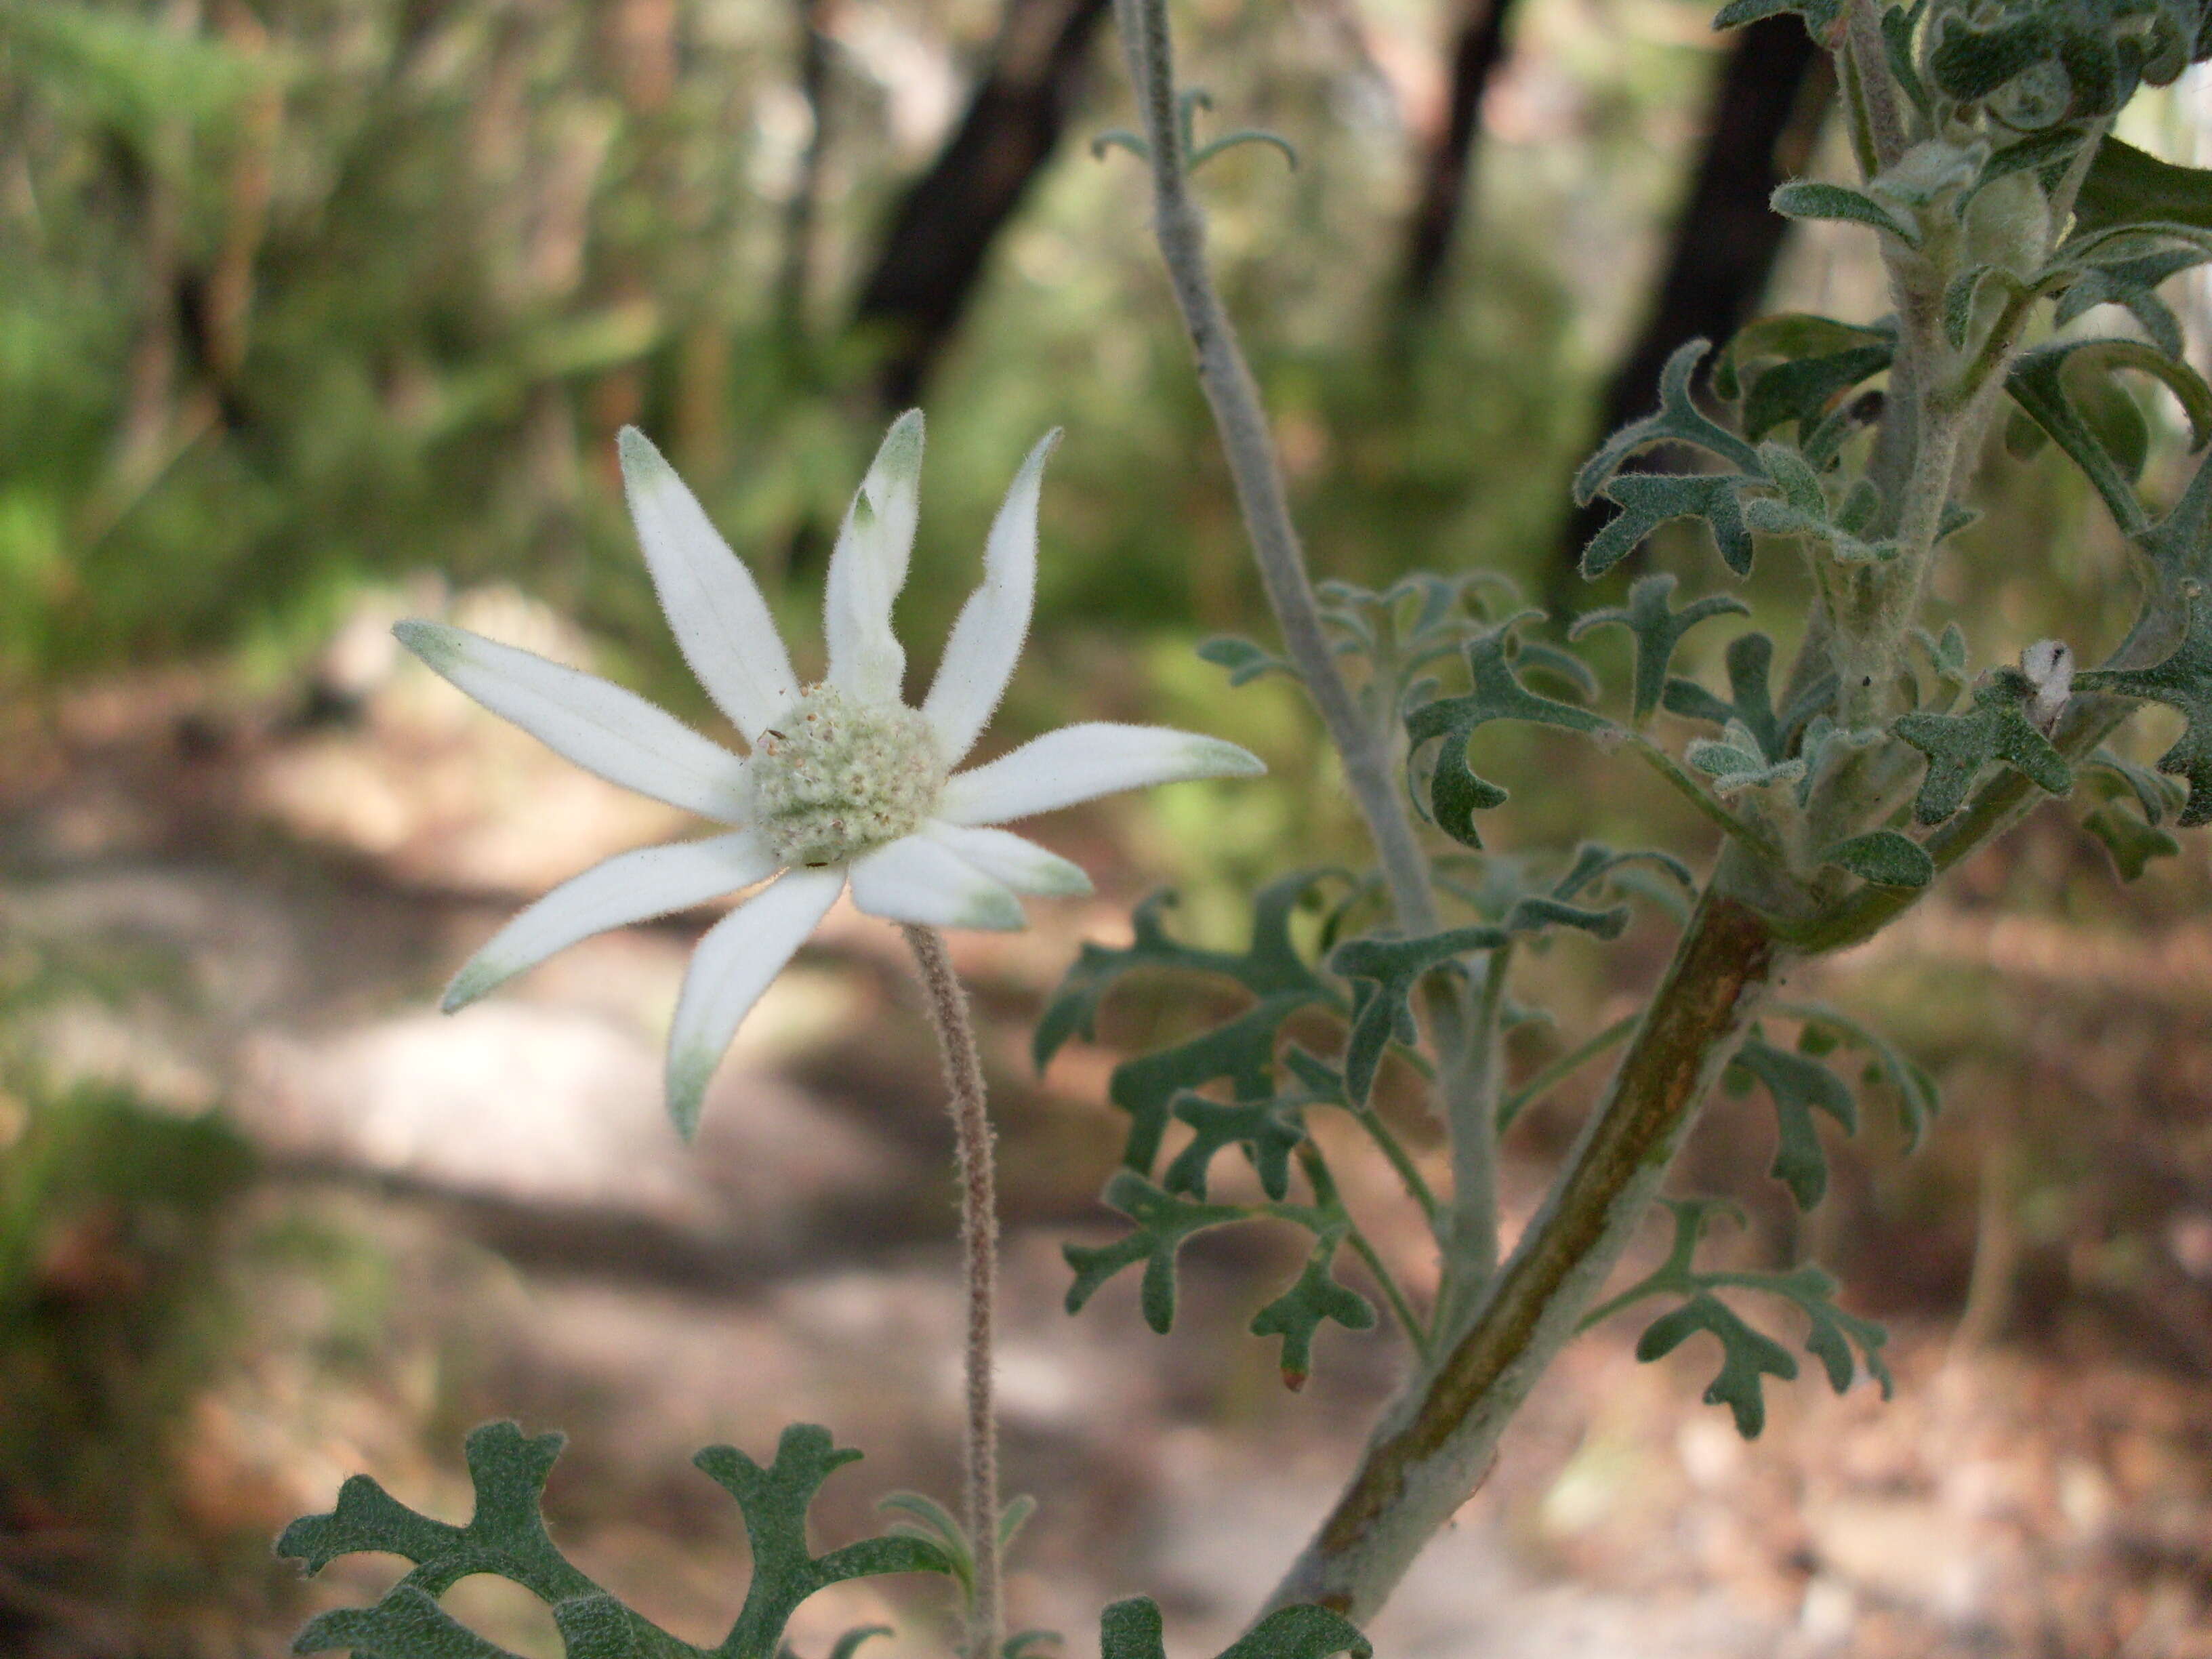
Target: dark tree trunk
x=943 y=229
x=1766 y=111
x=1478 y=50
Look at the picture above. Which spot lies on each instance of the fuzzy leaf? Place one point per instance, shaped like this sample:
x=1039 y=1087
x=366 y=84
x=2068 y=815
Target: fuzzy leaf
x=1820 y=16
x=1162 y=1223
x=1132 y=1630
x=1269 y=1130
x=506 y=1538
x=1241 y=1051
x=1746 y=1356
x=1734 y=761
x=1649 y=500
x=1995 y=728
x=2125 y=186
x=1658 y=630
x=1799 y=1086
x=1456 y=794
x=1750 y=660
x=1885 y=857
x=1298 y=1312
x=2133 y=282
x=1269 y=966
x=1833 y=1332
x=1677 y=420
x=2154 y=792
x=1384 y=972
x=2183 y=682
x=2132 y=842
x=1918 y=1098
x=2038 y=383
x=1244 y=661
x=1802 y=390
x=1806 y=198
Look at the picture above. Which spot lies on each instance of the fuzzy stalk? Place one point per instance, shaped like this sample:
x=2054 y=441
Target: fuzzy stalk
x=1366 y=748
x=979 y=1251
x=1234 y=397
x=1437 y=1441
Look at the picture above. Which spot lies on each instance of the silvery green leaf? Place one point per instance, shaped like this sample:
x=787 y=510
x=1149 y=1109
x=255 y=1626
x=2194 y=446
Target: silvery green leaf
x=507 y=1537
x=1995 y=729
x=1132 y=1630
x=1240 y=1051
x=1384 y=972
x=2132 y=842
x=2038 y=384
x=1805 y=198
x=1160 y=1224
x=1649 y=500
x=1677 y=420
x=1798 y=1086
x=1885 y=857
x=1244 y=661
x=1315 y=1297
x=1746 y=1356
x=2182 y=682
x=1454 y=792
x=1657 y=629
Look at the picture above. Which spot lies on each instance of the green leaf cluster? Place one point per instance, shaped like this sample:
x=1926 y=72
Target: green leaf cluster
x=507 y=1537
x=1748 y=1356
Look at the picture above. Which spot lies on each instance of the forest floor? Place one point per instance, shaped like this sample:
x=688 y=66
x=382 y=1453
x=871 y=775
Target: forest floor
x=486 y=1216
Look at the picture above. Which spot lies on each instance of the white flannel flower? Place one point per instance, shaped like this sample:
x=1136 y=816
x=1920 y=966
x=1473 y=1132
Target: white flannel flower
x=843 y=782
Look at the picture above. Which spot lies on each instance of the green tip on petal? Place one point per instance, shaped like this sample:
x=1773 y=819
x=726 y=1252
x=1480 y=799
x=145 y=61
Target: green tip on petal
x=432 y=642
x=1227 y=760
x=474 y=980
x=900 y=454
x=688 y=1074
x=997 y=912
x=637 y=451
x=1065 y=880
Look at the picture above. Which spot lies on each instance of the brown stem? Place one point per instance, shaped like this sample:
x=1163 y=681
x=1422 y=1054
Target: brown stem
x=979 y=1250
x=1437 y=1443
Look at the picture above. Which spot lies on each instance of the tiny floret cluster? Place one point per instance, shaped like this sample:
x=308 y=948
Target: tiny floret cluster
x=842 y=778
x=844 y=785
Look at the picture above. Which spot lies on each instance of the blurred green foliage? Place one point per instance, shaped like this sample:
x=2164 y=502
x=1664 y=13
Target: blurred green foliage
x=298 y=293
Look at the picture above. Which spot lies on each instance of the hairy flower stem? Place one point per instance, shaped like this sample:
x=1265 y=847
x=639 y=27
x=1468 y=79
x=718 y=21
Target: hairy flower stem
x=1436 y=1441
x=979 y=1250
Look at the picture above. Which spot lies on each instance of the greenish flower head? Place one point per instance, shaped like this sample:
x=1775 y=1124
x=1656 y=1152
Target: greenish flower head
x=837 y=777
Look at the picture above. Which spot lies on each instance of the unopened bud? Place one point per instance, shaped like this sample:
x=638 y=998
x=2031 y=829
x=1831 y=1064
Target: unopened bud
x=2048 y=667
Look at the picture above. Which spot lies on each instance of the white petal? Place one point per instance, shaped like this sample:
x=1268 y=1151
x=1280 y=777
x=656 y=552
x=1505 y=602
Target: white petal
x=1078 y=761
x=979 y=657
x=601 y=727
x=917 y=881
x=868 y=567
x=735 y=961
x=1005 y=857
x=654 y=881
x=721 y=624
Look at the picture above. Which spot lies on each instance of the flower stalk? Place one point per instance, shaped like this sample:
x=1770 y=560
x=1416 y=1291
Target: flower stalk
x=979 y=1256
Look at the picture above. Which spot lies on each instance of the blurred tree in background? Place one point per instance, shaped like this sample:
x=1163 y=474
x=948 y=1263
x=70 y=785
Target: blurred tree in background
x=295 y=292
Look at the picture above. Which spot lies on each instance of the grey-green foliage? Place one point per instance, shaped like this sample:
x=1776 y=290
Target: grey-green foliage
x=1748 y=1355
x=1240 y=1052
x=507 y=1537
x=1132 y=1630
x=1161 y=1223
x=1454 y=793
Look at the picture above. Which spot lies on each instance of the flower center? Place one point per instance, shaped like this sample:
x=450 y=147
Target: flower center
x=836 y=777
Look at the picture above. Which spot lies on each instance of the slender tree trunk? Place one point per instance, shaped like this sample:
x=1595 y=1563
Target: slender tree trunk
x=1766 y=110
x=794 y=285
x=1478 y=49
x=942 y=232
